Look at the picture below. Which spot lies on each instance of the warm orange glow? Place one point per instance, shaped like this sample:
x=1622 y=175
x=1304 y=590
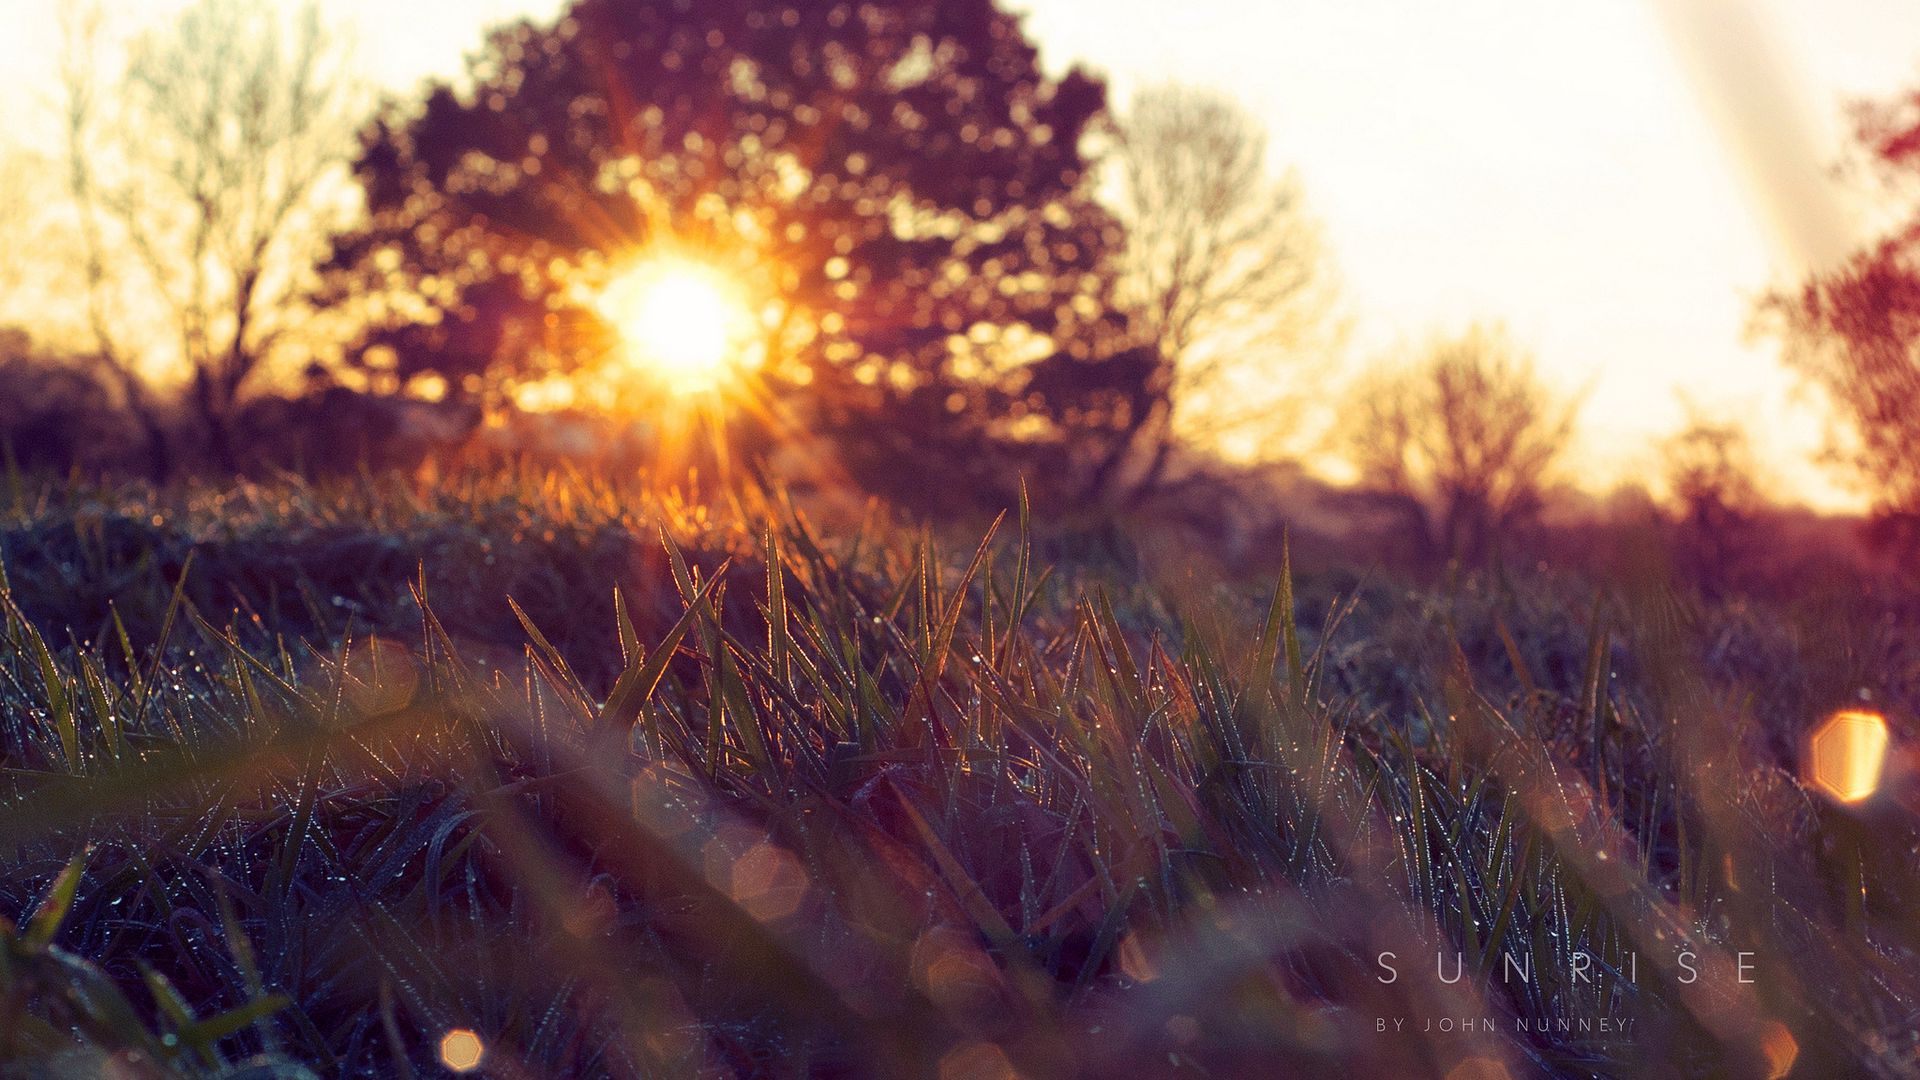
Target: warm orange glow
x=681 y=321
x=1846 y=755
x=768 y=882
x=1781 y=1049
x=461 y=1050
x=1135 y=960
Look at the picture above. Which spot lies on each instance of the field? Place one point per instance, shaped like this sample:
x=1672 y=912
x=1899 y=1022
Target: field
x=381 y=776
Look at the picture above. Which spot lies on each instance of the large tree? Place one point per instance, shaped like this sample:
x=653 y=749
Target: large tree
x=1854 y=330
x=898 y=184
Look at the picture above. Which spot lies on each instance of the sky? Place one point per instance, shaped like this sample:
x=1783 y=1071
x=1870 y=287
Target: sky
x=1616 y=180
x=1580 y=169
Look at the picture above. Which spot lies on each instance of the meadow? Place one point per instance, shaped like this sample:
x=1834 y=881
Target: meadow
x=892 y=539
x=542 y=774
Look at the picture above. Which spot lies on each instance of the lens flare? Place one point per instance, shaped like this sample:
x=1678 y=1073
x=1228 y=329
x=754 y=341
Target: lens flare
x=681 y=321
x=1846 y=755
x=461 y=1050
x=1780 y=1048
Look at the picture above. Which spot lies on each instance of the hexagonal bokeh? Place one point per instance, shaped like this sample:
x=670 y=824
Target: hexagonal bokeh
x=1846 y=755
x=461 y=1050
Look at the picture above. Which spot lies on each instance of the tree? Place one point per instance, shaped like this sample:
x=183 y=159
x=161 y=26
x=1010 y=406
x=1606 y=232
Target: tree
x=200 y=173
x=1854 y=331
x=898 y=185
x=1224 y=273
x=1710 y=472
x=1463 y=442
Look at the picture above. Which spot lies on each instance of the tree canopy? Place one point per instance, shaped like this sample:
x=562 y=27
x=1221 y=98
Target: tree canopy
x=899 y=185
x=1854 y=330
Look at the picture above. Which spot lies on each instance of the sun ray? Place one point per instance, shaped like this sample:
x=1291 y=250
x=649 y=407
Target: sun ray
x=680 y=322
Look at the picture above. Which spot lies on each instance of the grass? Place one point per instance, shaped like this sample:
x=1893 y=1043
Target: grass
x=295 y=780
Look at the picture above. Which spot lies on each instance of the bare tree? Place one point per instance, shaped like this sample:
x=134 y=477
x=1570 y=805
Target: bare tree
x=1463 y=442
x=1224 y=271
x=208 y=159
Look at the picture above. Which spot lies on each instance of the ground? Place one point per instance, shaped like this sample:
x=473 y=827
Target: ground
x=366 y=778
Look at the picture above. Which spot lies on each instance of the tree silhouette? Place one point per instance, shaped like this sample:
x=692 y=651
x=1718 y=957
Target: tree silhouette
x=1463 y=442
x=1709 y=469
x=897 y=183
x=1854 y=331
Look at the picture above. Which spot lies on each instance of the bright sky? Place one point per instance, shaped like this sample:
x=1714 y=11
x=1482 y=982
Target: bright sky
x=1579 y=169
x=1556 y=165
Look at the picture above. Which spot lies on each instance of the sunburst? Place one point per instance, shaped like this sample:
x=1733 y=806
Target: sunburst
x=684 y=323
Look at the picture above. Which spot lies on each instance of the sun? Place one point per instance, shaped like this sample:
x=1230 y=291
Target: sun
x=681 y=321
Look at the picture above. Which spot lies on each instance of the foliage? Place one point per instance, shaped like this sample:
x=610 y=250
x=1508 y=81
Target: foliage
x=899 y=185
x=730 y=797
x=1854 y=331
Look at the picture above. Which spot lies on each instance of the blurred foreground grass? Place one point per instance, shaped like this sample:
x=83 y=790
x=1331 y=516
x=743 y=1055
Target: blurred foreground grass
x=628 y=784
